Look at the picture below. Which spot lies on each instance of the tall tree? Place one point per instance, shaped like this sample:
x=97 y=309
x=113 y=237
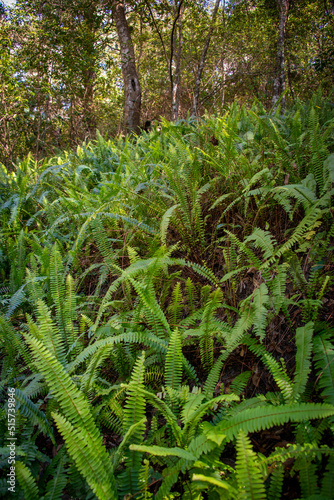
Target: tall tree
x=279 y=81
x=203 y=57
x=175 y=60
x=132 y=89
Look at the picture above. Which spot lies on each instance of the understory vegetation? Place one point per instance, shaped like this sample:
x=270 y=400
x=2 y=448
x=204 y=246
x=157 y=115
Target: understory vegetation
x=167 y=311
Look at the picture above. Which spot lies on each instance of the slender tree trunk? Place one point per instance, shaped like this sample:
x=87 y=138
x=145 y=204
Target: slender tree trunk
x=279 y=82
x=223 y=72
x=176 y=81
x=132 y=89
x=203 y=57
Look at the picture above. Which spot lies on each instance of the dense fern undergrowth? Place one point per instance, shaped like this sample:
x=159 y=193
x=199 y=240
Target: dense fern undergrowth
x=167 y=312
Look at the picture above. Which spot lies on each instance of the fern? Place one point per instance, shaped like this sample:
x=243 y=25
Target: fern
x=134 y=412
x=239 y=383
x=176 y=306
x=249 y=477
x=163 y=452
x=173 y=364
x=303 y=364
x=260 y=300
x=27 y=482
x=307 y=476
x=278 y=372
x=131 y=431
x=235 y=337
x=56 y=276
x=328 y=479
x=70 y=315
x=30 y=410
x=253 y=420
x=165 y=222
x=95 y=363
x=324 y=362
x=87 y=459
x=55 y=487
x=77 y=426
x=276 y=483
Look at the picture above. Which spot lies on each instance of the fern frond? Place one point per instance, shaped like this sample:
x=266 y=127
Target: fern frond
x=55 y=487
x=260 y=300
x=133 y=429
x=239 y=383
x=327 y=486
x=176 y=306
x=27 y=408
x=163 y=452
x=150 y=302
x=77 y=412
x=263 y=417
x=304 y=226
x=324 y=362
x=278 y=288
x=49 y=334
x=173 y=364
x=303 y=355
x=87 y=459
x=95 y=363
x=249 y=477
x=56 y=276
x=165 y=411
x=307 y=476
x=134 y=412
x=165 y=223
x=70 y=315
x=276 y=483
x=263 y=240
x=27 y=482
x=235 y=337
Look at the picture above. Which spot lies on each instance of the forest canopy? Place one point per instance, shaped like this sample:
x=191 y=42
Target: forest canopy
x=65 y=71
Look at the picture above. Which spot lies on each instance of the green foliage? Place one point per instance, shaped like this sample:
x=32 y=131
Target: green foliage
x=144 y=361
x=250 y=482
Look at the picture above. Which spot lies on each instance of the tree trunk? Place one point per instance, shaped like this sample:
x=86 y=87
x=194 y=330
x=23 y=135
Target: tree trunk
x=176 y=81
x=279 y=82
x=223 y=72
x=203 y=57
x=132 y=90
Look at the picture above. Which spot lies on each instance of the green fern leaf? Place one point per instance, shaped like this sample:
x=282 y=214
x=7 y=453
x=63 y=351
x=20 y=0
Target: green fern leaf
x=165 y=223
x=249 y=477
x=254 y=420
x=134 y=412
x=27 y=408
x=27 y=482
x=48 y=333
x=327 y=486
x=55 y=487
x=303 y=363
x=163 y=452
x=77 y=412
x=173 y=364
x=260 y=300
x=324 y=362
x=276 y=483
x=56 y=275
x=86 y=457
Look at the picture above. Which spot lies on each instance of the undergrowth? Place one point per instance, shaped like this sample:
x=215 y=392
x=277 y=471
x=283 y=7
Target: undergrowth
x=167 y=312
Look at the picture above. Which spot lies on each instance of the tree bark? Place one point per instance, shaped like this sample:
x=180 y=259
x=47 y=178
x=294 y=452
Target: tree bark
x=176 y=81
x=279 y=82
x=203 y=57
x=175 y=76
x=132 y=89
